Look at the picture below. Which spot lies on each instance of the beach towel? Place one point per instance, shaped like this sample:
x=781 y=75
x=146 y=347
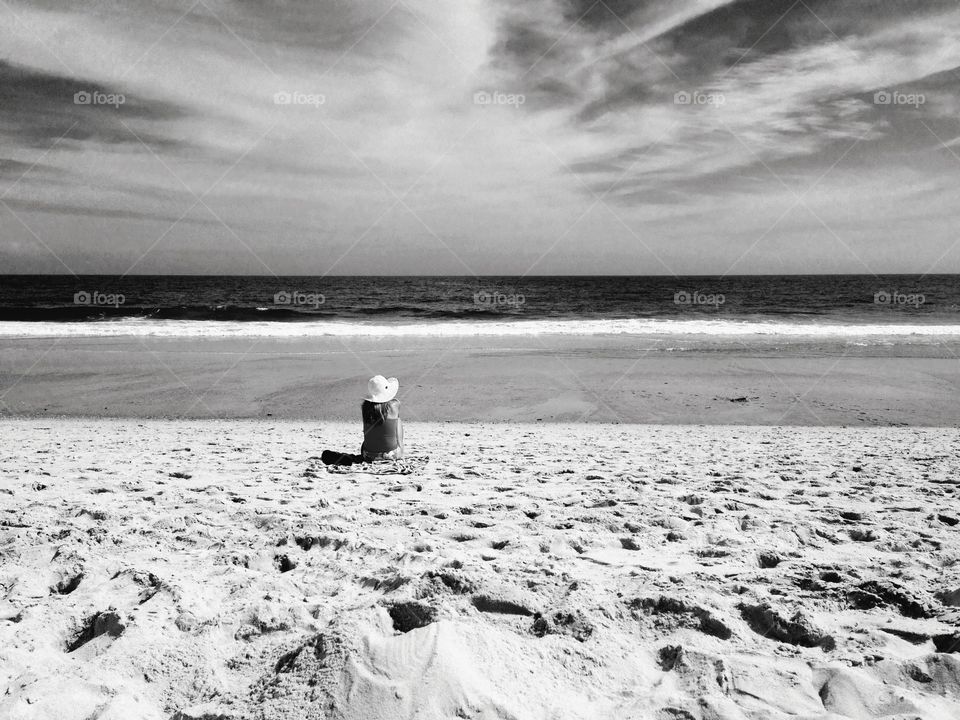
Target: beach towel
x=405 y=466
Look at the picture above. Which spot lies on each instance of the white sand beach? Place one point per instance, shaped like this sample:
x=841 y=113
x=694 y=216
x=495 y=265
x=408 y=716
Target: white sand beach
x=210 y=569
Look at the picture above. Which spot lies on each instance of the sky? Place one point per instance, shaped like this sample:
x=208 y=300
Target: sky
x=479 y=137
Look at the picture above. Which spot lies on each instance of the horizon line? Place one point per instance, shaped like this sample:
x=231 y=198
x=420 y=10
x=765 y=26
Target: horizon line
x=468 y=276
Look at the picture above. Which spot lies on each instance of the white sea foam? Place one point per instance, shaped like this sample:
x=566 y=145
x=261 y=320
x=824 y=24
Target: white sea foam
x=128 y=327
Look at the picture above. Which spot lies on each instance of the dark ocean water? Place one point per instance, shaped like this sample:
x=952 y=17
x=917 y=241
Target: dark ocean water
x=843 y=299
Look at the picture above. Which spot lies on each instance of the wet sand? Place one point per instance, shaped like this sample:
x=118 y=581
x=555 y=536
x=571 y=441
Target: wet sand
x=549 y=379
x=212 y=569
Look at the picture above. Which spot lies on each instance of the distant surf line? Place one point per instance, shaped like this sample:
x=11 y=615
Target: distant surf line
x=128 y=327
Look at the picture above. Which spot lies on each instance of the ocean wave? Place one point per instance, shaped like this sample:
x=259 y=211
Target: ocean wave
x=151 y=327
x=219 y=313
x=240 y=313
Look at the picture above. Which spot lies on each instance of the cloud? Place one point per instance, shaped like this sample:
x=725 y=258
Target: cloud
x=38 y=107
x=394 y=167
x=15 y=169
x=777 y=82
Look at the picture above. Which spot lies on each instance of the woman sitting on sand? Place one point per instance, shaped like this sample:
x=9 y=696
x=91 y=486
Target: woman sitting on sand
x=382 y=429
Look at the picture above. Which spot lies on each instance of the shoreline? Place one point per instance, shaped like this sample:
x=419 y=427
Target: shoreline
x=703 y=328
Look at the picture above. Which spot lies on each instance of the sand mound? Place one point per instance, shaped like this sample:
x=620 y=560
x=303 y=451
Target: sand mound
x=894 y=689
x=442 y=670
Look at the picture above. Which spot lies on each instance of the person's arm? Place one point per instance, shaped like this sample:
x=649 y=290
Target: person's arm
x=363 y=430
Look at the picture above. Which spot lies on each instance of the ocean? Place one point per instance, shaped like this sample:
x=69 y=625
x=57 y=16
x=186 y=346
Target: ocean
x=816 y=305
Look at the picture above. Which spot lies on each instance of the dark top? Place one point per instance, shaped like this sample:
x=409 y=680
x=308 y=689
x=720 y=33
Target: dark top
x=381 y=431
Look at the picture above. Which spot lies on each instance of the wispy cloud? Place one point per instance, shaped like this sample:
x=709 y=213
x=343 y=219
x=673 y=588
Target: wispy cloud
x=619 y=135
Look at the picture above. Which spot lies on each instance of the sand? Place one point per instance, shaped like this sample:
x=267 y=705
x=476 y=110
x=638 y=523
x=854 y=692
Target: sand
x=671 y=380
x=211 y=569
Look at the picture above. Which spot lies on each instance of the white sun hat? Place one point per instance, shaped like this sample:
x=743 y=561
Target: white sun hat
x=381 y=389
